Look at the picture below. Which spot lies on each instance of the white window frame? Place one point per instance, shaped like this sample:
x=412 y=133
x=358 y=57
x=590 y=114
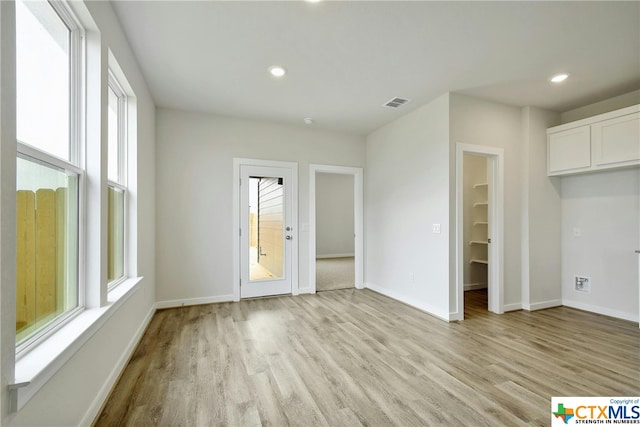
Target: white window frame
x=121 y=184
x=31 y=154
x=75 y=165
x=115 y=85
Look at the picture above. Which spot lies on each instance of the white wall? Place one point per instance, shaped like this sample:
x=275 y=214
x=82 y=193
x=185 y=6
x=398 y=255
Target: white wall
x=195 y=171
x=406 y=191
x=334 y=215
x=479 y=122
x=611 y=104
x=605 y=207
x=475 y=172
x=541 y=215
x=74 y=394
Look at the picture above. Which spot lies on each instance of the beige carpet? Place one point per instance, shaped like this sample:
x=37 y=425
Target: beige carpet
x=335 y=273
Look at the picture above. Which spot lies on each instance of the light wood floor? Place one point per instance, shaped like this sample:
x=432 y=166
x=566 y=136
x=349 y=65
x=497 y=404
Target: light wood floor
x=354 y=357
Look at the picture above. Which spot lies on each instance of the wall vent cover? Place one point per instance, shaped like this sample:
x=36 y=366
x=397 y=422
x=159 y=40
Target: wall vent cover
x=396 y=102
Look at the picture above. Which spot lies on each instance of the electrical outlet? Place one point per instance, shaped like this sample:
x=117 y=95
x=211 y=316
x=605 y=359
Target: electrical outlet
x=436 y=228
x=582 y=284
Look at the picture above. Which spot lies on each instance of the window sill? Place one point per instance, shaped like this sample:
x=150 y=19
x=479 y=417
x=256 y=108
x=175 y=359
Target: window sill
x=37 y=367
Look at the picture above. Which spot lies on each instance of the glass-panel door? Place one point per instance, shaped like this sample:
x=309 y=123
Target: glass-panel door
x=266 y=235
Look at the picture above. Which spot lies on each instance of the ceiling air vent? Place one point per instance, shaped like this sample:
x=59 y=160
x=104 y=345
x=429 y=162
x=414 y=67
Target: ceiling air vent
x=396 y=102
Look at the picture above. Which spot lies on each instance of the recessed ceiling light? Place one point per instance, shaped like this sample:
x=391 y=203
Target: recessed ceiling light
x=559 y=78
x=308 y=121
x=277 y=71
x=313 y=1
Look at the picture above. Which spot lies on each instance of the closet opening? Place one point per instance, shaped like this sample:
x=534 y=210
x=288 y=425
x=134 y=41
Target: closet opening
x=476 y=234
x=479 y=231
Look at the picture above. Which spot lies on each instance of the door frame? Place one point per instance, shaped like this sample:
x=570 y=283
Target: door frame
x=495 y=179
x=236 y=224
x=358 y=219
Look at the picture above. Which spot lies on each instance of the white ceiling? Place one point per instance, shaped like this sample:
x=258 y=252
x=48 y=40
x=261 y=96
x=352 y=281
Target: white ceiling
x=345 y=59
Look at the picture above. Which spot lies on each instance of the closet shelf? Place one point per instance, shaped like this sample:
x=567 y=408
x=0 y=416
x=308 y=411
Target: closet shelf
x=478 y=240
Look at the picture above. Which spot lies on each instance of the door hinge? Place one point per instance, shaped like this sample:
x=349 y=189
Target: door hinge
x=241 y=232
x=488 y=240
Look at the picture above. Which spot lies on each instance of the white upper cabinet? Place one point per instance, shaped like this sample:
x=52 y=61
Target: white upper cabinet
x=616 y=142
x=606 y=141
x=569 y=150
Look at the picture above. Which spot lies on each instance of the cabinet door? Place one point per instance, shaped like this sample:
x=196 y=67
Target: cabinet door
x=616 y=141
x=569 y=151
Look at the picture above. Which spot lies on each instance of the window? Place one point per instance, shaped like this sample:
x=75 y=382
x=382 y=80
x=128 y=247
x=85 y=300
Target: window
x=47 y=245
x=76 y=128
x=117 y=118
x=116 y=125
x=49 y=174
x=43 y=78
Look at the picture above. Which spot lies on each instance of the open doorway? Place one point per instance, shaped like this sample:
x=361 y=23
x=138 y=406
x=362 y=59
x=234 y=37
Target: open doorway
x=336 y=226
x=476 y=233
x=335 y=234
x=479 y=229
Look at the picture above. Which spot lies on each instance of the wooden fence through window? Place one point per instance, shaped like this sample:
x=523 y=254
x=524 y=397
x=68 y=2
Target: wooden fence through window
x=41 y=255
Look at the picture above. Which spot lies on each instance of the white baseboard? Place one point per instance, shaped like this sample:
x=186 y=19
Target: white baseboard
x=335 y=256
x=193 y=301
x=601 y=310
x=409 y=301
x=455 y=316
x=474 y=286
x=99 y=400
x=512 y=307
x=306 y=290
x=543 y=304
